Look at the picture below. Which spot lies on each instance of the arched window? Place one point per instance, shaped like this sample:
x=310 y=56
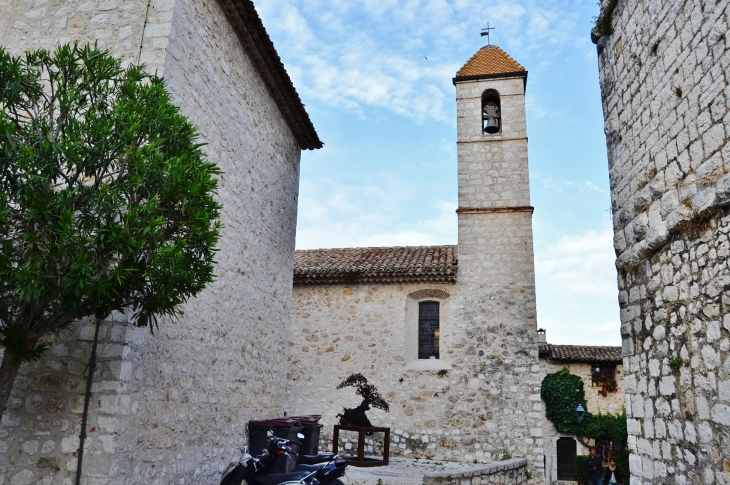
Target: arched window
x=491 y=112
x=428 y=330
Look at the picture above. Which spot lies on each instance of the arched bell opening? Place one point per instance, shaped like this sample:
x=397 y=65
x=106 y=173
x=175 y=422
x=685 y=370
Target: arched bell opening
x=491 y=112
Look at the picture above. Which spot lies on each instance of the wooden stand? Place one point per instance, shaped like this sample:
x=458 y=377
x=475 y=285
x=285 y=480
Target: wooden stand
x=360 y=460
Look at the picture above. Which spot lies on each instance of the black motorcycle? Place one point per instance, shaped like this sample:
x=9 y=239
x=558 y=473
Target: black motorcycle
x=280 y=463
x=252 y=471
x=282 y=456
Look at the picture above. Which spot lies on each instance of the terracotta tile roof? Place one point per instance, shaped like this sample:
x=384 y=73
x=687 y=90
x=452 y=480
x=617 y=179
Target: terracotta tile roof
x=410 y=264
x=254 y=39
x=489 y=61
x=581 y=353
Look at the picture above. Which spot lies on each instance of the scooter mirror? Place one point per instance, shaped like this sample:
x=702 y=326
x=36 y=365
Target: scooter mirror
x=244 y=449
x=270 y=433
x=300 y=436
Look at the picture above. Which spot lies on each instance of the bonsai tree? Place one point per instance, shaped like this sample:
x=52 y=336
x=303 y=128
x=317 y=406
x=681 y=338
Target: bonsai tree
x=106 y=200
x=370 y=397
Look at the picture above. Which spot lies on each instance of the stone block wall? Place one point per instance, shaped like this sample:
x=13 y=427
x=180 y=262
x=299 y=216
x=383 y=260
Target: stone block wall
x=339 y=330
x=455 y=415
x=40 y=428
x=134 y=30
x=171 y=407
x=495 y=310
x=482 y=405
x=666 y=100
x=493 y=173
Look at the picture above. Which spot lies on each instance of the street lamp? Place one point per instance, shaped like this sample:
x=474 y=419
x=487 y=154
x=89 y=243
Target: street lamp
x=580 y=412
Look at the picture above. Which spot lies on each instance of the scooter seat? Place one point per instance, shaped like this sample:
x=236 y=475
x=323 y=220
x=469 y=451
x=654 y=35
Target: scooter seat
x=277 y=478
x=309 y=468
x=314 y=459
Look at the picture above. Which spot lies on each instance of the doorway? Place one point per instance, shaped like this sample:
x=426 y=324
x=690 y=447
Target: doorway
x=566 y=458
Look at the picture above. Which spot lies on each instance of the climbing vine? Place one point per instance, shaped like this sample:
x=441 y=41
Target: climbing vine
x=562 y=392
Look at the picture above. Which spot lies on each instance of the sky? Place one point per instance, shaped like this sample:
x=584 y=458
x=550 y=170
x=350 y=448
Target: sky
x=376 y=79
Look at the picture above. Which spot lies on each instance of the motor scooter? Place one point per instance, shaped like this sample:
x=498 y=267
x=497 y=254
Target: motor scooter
x=281 y=456
x=279 y=463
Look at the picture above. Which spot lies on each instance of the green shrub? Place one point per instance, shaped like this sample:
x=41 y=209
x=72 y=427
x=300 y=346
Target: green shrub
x=580 y=469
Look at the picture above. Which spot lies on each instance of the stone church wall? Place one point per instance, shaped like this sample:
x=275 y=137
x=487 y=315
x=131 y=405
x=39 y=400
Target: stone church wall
x=666 y=100
x=339 y=330
x=469 y=412
x=171 y=407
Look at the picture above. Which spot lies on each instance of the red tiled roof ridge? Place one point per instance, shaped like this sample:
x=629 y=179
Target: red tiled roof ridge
x=394 y=264
x=581 y=353
x=489 y=60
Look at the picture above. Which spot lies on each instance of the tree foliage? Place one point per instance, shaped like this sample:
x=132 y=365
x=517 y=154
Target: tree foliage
x=106 y=199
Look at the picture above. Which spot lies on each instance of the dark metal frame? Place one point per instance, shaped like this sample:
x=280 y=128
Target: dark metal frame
x=360 y=460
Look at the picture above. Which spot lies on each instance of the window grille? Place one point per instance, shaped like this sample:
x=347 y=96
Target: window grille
x=428 y=330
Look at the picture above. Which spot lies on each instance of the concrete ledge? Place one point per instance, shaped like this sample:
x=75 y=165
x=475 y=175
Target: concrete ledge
x=404 y=471
x=507 y=472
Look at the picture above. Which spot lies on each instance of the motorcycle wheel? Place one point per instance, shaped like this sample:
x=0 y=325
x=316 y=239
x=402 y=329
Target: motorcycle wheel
x=337 y=482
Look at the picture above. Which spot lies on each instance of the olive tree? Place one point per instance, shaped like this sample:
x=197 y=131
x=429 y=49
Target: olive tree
x=107 y=202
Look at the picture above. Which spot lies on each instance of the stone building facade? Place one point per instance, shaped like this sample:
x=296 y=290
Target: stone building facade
x=592 y=364
x=171 y=407
x=666 y=100
x=380 y=311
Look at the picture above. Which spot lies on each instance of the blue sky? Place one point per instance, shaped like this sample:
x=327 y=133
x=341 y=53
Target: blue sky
x=376 y=79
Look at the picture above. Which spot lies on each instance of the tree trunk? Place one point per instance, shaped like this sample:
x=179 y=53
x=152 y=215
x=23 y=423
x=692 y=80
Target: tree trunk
x=8 y=372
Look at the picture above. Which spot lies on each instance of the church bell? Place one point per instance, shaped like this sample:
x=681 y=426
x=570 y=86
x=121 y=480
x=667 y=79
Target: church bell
x=492 y=126
x=490 y=114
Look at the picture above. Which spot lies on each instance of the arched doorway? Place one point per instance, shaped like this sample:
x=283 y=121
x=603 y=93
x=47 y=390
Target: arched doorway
x=566 y=458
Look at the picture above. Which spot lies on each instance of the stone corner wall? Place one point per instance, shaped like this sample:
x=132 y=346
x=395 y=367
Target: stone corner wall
x=171 y=406
x=666 y=100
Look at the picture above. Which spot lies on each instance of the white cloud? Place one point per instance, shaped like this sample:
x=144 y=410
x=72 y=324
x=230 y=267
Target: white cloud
x=370 y=214
x=580 y=264
x=559 y=185
x=576 y=288
x=372 y=53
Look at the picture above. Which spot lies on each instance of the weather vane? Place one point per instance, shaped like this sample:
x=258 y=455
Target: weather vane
x=486 y=32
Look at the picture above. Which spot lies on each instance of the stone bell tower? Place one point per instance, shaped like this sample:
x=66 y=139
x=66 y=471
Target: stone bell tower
x=496 y=276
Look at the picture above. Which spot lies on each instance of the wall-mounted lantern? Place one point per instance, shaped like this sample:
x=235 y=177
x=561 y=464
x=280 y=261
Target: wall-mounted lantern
x=580 y=412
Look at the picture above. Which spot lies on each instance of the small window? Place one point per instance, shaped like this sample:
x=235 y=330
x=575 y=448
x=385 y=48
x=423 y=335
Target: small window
x=601 y=375
x=429 y=332
x=491 y=112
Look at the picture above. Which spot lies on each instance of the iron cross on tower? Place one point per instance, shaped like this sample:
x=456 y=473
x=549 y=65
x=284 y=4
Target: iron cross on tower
x=486 y=32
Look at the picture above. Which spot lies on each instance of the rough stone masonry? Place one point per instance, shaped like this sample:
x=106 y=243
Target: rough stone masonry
x=357 y=309
x=171 y=408
x=664 y=70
